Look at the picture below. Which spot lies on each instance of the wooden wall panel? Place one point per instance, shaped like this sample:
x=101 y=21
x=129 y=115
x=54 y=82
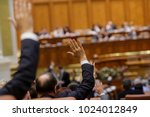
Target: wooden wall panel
x=117 y=11
x=41 y=16
x=79 y=14
x=136 y=11
x=60 y=14
x=99 y=12
x=147 y=11
x=82 y=13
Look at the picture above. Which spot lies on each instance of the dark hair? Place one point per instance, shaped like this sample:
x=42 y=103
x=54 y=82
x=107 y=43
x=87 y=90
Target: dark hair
x=32 y=91
x=48 y=85
x=73 y=86
x=127 y=84
x=139 y=87
x=60 y=67
x=62 y=92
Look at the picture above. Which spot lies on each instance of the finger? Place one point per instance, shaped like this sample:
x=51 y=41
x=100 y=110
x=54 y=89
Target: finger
x=16 y=9
x=24 y=8
x=12 y=21
x=67 y=41
x=20 y=7
x=76 y=44
x=70 y=53
x=92 y=63
x=29 y=7
x=71 y=44
x=80 y=45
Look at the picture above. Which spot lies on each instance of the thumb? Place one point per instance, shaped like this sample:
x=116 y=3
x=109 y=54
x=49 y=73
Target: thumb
x=70 y=53
x=92 y=63
x=13 y=22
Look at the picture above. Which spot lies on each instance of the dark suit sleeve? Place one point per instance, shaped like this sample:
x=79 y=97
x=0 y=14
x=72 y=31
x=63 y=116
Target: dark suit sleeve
x=66 y=79
x=86 y=85
x=25 y=74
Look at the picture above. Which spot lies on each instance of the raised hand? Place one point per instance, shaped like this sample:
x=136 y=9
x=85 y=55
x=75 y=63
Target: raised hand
x=23 y=21
x=98 y=87
x=52 y=65
x=77 y=49
x=93 y=63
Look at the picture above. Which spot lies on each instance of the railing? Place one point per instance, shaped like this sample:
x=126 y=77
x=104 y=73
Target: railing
x=59 y=55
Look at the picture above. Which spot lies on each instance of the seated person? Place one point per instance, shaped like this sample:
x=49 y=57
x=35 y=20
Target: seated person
x=46 y=84
x=73 y=86
x=110 y=26
x=99 y=90
x=64 y=77
x=67 y=30
x=138 y=86
x=146 y=87
x=127 y=85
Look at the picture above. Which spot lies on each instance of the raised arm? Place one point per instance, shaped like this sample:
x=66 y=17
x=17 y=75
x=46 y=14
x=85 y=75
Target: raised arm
x=87 y=83
x=25 y=75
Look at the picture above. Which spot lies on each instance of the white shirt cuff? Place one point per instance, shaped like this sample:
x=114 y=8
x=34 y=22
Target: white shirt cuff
x=84 y=62
x=102 y=94
x=29 y=35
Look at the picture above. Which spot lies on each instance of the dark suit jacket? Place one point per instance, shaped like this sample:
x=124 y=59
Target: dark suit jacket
x=86 y=85
x=66 y=79
x=25 y=74
x=129 y=91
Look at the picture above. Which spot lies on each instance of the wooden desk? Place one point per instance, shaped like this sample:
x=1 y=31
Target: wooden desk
x=60 y=57
x=55 y=40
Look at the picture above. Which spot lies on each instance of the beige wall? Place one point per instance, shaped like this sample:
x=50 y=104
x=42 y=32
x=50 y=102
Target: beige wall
x=5 y=28
x=84 y=13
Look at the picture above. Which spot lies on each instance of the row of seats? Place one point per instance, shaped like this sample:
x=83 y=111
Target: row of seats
x=138 y=97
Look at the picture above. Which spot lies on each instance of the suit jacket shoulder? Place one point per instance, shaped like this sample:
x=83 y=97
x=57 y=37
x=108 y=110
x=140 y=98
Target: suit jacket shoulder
x=25 y=74
x=86 y=85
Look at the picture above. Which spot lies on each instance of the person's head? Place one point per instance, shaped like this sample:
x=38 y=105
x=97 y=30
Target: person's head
x=62 y=92
x=127 y=84
x=138 y=83
x=73 y=86
x=110 y=22
x=59 y=69
x=67 y=29
x=109 y=80
x=45 y=84
x=98 y=86
x=148 y=81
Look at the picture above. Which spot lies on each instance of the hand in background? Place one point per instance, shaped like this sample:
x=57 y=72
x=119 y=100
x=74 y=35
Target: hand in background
x=23 y=21
x=93 y=63
x=98 y=87
x=77 y=49
x=52 y=65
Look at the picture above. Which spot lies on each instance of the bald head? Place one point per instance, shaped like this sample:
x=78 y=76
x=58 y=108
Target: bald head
x=46 y=83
